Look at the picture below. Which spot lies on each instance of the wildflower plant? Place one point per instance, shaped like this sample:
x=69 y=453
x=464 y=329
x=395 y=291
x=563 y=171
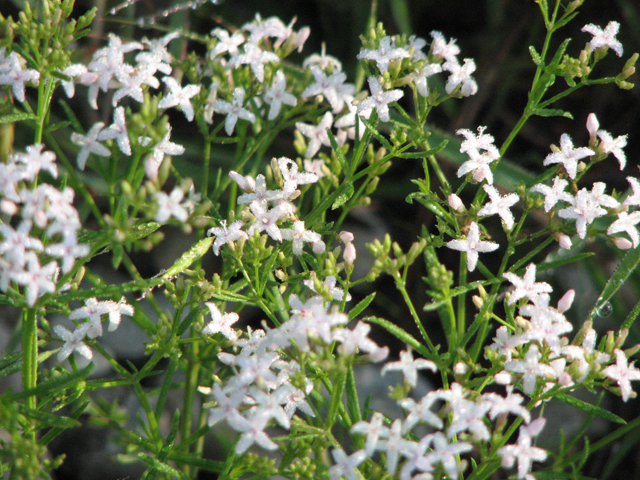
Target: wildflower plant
x=287 y=150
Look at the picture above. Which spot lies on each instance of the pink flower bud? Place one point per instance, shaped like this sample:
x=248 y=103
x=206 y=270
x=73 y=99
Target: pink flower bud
x=346 y=237
x=460 y=368
x=567 y=299
x=247 y=183
x=455 y=202
x=622 y=243
x=349 y=254
x=318 y=247
x=592 y=125
x=301 y=37
x=564 y=241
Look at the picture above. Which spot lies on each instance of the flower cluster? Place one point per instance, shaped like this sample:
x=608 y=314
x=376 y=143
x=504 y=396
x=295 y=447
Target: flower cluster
x=40 y=225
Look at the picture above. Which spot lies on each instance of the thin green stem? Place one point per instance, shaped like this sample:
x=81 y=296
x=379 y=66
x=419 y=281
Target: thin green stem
x=30 y=360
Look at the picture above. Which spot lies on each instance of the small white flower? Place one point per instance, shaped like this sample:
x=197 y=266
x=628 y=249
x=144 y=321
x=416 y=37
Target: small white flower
x=379 y=99
x=604 y=38
x=221 y=323
x=179 y=96
x=89 y=144
x=568 y=155
x=73 y=341
x=499 y=205
x=472 y=245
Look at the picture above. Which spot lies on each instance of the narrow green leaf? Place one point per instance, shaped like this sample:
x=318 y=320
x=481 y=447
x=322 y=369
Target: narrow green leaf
x=52 y=386
x=563 y=261
x=336 y=398
x=627 y=265
x=343 y=197
x=551 y=112
x=185 y=261
x=588 y=408
x=403 y=336
x=364 y=303
x=631 y=318
x=17 y=117
x=161 y=466
x=187 y=321
x=196 y=461
x=13 y=363
x=353 y=404
x=46 y=420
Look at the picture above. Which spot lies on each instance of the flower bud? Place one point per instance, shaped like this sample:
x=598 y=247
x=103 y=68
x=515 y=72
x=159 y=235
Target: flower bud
x=622 y=243
x=456 y=203
x=319 y=247
x=565 y=302
x=346 y=237
x=592 y=125
x=503 y=378
x=349 y=254
x=564 y=241
x=460 y=368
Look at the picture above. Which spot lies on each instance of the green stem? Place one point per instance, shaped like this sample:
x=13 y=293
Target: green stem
x=191 y=384
x=30 y=360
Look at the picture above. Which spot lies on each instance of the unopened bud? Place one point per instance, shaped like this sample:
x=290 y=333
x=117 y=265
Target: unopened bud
x=565 y=302
x=622 y=336
x=503 y=378
x=564 y=241
x=622 y=243
x=455 y=203
x=346 y=237
x=477 y=301
x=460 y=368
x=592 y=125
x=319 y=247
x=349 y=254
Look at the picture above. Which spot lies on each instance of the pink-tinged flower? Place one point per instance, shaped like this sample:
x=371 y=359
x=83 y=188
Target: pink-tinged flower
x=37 y=279
x=317 y=134
x=523 y=452
x=384 y=54
x=623 y=373
x=472 y=245
x=499 y=205
x=584 y=210
x=332 y=87
x=592 y=126
x=511 y=404
x=267 y=219
x=461 y=76
x=226 y=235
x=441 y=48
x=179 y=96
x=379 y=99
x=604 y=38
x=420 y=77
x=568 y=155
x=409 y=367
x=221 y=323
x=227 y=43
x=447 y=454
x=260 y=194
x=73 y=341
x=165 y=147
x=89 y=144
x=614 y=145
x=626 y=223
x=530 y=368
x=234 y=110
x=252 y=431
x=526 y=287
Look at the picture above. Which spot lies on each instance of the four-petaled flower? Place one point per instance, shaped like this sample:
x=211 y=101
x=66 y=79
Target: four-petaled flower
x=384 y=54
x=568 y=155
x=499 y=205
x=234 y=110
x=604 y=38
x=277 y=94
x=180 y=96
x=317 y=134
x=626 y=222
x=226 y=235
x=526 y=287
x=622 y=373
x=409 y=366
x=472 y=245
x=89 y=144
x=221 y=323
x=299 y=235
x=379 y=99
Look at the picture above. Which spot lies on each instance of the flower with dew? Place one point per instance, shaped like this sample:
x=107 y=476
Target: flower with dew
x=604 y=38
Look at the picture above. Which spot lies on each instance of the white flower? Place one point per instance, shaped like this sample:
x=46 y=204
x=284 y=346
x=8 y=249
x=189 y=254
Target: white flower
x=634 y=198
x=441 y=48
x=221 y=323
x=117 y=130
x=170 y=206
x=12 y=73
x=384 y=54
x=345 y=466
x=526 y=287
x=299 y=235
x=256 y=58
x=226 y=235
x=472 y=245
x=461 y=76
x=530 y=368
x=73 y=341
x=568 y=155
x=234 y=110
x=523 y=451
x=277 y=94
x=317 y=134
x=626 y=223
x=180 y=96
x=499 y=205
x=409 y=366
x=554 y=194
x=604 y=38
x=89 y=144
x=292 y=178
x=622 y=373
x=379 y=99
x=615 y=146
